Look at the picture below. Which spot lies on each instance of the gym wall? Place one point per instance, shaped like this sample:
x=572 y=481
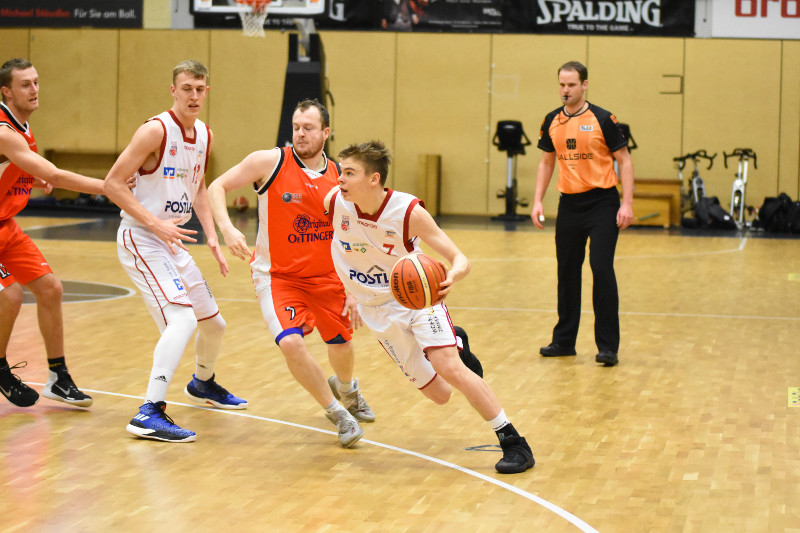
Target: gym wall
x=434 y=94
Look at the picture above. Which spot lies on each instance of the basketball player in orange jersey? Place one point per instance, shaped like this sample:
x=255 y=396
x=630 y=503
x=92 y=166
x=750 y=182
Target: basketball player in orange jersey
x=294 y=279
x=21 y=262
x=385 y=225
x=168 y=154
x=586 y=140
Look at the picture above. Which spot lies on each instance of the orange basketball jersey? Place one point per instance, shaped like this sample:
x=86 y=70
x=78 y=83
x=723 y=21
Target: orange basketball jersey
x=15 y=184
x=584 y=144
x=294 y=233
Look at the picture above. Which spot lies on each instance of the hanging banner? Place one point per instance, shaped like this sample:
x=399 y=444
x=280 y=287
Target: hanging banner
x=71 y=13
x=757 y=19
x=604 y=17
x=594 y=17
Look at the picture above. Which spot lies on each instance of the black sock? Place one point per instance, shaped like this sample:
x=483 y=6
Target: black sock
x=4 y=364
x=57 y=365
x=506 y=431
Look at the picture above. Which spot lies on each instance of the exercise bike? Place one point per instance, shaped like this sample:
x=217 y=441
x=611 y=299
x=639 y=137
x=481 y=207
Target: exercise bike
x=696 y=187
x=738 y=206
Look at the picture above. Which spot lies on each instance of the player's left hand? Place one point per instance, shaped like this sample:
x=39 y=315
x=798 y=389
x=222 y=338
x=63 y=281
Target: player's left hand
x=351 y=308
x=131 y=182
x=624 y=216
x=446 y=285
x=216 y=251
x=39 y=183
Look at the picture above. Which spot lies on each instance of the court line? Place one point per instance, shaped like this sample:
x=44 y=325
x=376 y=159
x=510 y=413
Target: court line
x=569 y=517
x=634 y=313
x=46 y=226
x=739 y=248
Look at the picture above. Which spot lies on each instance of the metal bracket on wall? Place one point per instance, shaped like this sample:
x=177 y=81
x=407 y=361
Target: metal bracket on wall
x=680 y=84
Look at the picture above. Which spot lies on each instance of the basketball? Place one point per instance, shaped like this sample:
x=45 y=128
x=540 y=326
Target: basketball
x=240 y=203
x=415 y=280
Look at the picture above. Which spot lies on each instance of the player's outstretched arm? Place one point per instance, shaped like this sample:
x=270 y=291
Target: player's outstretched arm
x=16 y=150
x=143 y=148
x=253 y=169
x=421 y=223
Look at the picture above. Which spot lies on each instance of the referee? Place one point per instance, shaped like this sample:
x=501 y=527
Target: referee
x=586 y=139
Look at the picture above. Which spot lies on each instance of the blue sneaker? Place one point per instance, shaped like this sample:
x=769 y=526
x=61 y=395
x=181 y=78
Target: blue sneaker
x=212 y=393
x=153 y=423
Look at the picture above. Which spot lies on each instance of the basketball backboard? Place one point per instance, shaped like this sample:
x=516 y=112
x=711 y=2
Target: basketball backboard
x=280 y=8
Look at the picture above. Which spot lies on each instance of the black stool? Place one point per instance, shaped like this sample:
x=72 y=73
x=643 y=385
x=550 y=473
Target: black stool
x=511 y=138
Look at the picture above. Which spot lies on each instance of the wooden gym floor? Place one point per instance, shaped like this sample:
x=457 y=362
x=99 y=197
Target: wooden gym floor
x=694 y=431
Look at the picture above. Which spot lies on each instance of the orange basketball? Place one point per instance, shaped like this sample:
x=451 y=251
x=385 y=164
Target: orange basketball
x=240 y=203
x=415 y=280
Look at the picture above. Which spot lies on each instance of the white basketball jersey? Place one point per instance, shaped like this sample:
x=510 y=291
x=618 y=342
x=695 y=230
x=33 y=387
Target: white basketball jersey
x=168 y=191
x=366 y=247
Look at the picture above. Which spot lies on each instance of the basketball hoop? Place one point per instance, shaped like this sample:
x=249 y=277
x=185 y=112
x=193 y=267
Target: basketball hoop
x=253 y=15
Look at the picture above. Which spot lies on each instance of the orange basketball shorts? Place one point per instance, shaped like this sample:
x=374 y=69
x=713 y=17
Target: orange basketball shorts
x=20 y=259
x=298 y=305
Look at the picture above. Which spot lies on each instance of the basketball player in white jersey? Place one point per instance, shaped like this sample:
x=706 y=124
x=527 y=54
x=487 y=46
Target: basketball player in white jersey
x=373 y=227
x=169 y=155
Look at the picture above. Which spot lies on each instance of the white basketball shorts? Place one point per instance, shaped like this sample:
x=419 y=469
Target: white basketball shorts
x=405 y=334
x=161 y=276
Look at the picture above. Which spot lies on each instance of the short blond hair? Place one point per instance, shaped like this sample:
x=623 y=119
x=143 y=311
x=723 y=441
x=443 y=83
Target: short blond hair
x=195 y=69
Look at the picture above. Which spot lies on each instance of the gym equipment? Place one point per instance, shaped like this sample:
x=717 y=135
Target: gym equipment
x=740 y=184
x=511 y=138
x=690 y=199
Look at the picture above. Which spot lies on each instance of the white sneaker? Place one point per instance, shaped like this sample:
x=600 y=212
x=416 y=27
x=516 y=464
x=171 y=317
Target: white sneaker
x=349 y=430
x=353 y=401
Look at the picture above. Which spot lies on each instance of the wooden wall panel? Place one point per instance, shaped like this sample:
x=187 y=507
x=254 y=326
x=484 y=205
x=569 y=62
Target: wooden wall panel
x=789 y=160
x=525 y=88
x=361 y=70
x=247 y=77
x=14 y=42
x=733 y=101
x=78 y=80
x=443 y=108
x=147 y=58
x=644 y=93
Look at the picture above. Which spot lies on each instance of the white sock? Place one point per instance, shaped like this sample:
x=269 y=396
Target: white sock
x=500 y=421
x=344 y=387
x=207 y=345
x=181 y=324
x=160 y=379
x=334 y=407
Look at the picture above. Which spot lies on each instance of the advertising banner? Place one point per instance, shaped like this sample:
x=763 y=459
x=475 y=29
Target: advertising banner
x=757 y=19
x=600 y=17
x=607 y=17
x=71 y=13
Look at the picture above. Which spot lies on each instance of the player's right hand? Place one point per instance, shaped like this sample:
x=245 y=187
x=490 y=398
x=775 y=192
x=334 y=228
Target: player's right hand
x=172 y=234
x=236 y=243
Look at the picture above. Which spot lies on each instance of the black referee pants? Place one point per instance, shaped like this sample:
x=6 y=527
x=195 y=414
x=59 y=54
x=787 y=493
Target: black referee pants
x=589 y=215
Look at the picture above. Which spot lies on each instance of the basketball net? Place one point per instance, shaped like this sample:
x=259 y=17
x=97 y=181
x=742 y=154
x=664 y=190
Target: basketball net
x=253 y=16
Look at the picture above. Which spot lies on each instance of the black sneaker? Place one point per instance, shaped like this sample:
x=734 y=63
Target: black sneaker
x=14 y=389
x=470 y=359
x=556 y=350
x=517 y=456
x=607 y=357
x=61 y=388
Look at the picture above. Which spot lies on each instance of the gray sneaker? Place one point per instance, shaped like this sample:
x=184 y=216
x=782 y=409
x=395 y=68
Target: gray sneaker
x=349 y=430
x=353 y=401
